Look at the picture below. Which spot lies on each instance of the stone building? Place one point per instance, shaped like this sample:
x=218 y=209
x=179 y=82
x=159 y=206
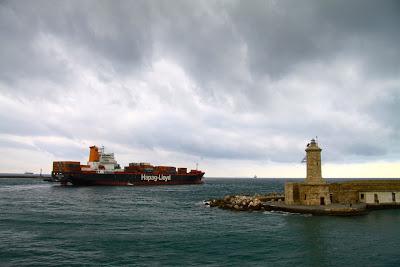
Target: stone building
x=316 y=191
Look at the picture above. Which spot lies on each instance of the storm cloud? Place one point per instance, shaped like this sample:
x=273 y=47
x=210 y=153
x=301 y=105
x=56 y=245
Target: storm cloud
x=227 y=82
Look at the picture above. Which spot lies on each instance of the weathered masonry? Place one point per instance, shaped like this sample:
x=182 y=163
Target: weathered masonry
x=379 y=197
x=316 y=191
x=371 y=192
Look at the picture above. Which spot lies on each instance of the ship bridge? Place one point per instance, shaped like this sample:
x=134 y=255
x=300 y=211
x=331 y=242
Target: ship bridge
x=99 y=160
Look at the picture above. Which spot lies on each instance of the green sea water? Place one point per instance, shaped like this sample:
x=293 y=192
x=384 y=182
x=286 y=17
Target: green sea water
x=48 y=225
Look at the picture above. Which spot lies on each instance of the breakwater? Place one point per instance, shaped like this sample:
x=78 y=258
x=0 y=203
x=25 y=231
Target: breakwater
x=275 y=202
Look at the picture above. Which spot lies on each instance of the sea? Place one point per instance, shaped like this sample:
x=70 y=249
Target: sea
x=43 y=224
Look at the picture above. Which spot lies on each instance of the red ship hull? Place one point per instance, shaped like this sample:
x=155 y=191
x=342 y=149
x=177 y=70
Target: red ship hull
x=127 y=179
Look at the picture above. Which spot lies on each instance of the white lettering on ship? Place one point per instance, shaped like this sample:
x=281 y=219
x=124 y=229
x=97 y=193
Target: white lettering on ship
x=156 y=178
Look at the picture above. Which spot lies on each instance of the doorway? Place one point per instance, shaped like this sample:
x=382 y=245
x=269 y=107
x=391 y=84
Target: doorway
x=376 y=200
x=322 y=201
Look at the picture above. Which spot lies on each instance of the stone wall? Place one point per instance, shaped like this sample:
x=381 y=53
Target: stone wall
x=291 y=193
x=348 y=192
x=311 y=194
x=341 y=193
x=376 y=197
x=306 y=194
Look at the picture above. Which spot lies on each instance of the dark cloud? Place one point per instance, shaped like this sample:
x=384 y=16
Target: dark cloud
x=217 y=79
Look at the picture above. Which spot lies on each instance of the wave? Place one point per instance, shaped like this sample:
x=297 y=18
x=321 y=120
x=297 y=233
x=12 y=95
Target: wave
x=285 y=213
x=9 y=188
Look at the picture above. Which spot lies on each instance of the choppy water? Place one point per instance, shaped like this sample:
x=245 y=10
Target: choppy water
x=48 y=225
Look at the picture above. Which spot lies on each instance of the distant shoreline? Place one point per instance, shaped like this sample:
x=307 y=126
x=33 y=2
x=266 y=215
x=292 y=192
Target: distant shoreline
x=23 y=175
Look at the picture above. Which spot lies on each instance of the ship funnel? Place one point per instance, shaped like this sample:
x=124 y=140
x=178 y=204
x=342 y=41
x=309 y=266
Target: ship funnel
x=94 y=154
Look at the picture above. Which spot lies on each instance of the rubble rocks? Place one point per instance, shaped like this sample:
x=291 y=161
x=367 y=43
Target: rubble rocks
x=245 y=203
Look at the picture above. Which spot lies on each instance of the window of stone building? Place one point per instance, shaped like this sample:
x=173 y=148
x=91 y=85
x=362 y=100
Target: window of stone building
x=362 y=196
x=305 y=196
x=394 y=197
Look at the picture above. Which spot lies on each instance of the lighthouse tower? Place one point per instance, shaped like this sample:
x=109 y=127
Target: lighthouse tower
x=313 y=163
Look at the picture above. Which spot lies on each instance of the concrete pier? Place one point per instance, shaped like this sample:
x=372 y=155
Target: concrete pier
x=332 y=209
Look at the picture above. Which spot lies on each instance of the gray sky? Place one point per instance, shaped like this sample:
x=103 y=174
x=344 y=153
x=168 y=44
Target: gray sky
x=238 y=86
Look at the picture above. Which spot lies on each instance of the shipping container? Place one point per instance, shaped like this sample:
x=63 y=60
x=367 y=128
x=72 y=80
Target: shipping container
x=66 y=166
x=182 y=170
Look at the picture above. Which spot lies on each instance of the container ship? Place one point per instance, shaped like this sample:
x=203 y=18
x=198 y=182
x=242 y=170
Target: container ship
x=103 y=169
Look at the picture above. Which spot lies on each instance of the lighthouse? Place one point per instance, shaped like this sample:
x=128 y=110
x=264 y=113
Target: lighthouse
x=314 y=191
x=314 y=174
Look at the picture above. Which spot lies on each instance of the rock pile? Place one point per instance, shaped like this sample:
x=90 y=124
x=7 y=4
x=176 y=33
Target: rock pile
x=243 y=202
